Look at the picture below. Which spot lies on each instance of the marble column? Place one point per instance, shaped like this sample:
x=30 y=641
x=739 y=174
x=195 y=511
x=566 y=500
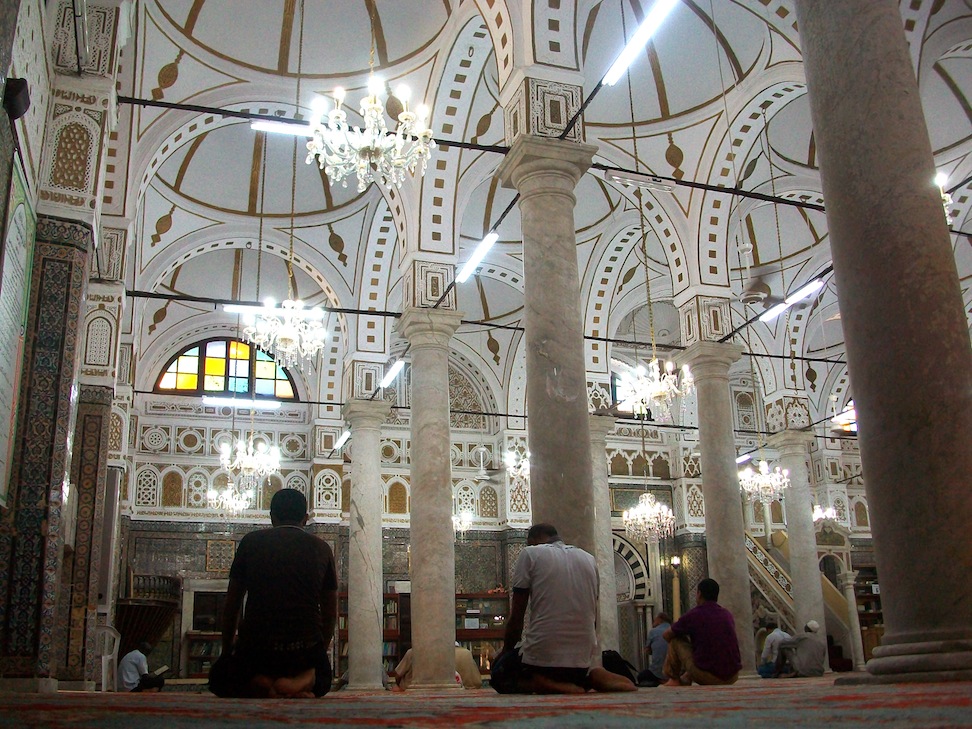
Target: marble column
x=433 y=569
x=607 y=604
x=29 y=588
x=545 y=171
x=724 y=530
x=905 y=326
x=847 y=581
x=808 y=602
x=365 y=608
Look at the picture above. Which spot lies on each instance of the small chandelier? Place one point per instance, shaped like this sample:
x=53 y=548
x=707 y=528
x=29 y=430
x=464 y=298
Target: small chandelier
x=517 y=464
x=764 y=485
x=941 y=179
x=290 y=334
x=645 y=389
x=819 y=513
x=251 y=464
x=461 y=523
x=373 y=153
x=650 y=520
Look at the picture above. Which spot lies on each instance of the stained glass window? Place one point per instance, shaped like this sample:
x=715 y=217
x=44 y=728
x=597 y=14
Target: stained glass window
x=226 y=367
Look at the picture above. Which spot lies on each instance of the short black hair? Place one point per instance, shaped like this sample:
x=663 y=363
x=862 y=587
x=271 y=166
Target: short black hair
x=709 y=590
x=542 y=533
x=771 y=625
x=663 y=616
x=288 y=506
x=145 y=647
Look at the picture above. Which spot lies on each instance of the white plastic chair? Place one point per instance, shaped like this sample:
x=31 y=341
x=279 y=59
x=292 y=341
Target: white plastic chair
x=107 y=640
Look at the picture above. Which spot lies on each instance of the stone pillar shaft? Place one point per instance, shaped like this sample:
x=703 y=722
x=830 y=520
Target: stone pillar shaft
x=433 y=568
x=877 y=169
x=724 y=529
x=607 y=606
x=365 y=609
x=808 y=601
x=545 y=171
x=847 y=582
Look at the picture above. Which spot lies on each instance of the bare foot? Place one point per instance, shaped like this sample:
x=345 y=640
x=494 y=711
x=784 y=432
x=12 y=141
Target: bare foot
x=291 y=686
x=606 y=681
x=672 y=682
x=261 y=687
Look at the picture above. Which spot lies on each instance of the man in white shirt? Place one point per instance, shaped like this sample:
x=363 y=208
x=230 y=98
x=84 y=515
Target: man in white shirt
x=771 y=649
x=134 y=674
x=558 y=652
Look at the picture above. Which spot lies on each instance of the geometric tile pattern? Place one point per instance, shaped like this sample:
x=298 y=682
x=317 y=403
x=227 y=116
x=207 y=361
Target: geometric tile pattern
x=30 y=531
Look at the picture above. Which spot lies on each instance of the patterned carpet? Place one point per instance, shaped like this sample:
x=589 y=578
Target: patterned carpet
x=781 y=703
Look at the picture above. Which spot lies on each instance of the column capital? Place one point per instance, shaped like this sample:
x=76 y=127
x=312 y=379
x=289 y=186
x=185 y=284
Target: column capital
x=424 y=326
x=791 y=442
x=846 y=579
x=601 y=425
x=709 y=359
x=362 y=413
x=551 y=157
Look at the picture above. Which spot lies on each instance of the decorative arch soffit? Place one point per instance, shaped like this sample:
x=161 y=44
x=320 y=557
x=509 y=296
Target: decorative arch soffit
x=634 y=559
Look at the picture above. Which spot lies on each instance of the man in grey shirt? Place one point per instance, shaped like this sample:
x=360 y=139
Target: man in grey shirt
x=802 y=655
x=657 y=648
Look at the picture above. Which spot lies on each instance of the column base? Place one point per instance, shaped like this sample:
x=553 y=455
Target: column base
x=28 y=685
x=76 y=686
x=430 y=687
x=943 y=660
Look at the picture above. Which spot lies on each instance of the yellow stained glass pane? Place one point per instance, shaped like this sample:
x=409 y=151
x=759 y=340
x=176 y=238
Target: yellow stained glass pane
x=285 y=390
x=215 y=366
x=168 y=381
x=266 y=370
x=238 y=350
x=214 y=383
x=186 y=381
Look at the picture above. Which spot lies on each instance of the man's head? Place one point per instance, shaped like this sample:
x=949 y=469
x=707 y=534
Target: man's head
x=812 y=626
x=288 y=507
x=145 y=647
x=708 y=591
x=542 y=534
x=771 y=626
x=660 y=618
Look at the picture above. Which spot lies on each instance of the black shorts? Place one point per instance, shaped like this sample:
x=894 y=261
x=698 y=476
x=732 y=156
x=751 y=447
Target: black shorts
x=577 y=676
x=509 y=674
x=231 y=673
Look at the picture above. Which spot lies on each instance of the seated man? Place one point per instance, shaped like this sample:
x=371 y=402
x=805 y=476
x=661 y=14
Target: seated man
x=657 y=649
x=771 y=649
x=467 y=672
x=134 y=674
x=559 y=651
x=290 y=583
x=702 y=643
x=802 y=655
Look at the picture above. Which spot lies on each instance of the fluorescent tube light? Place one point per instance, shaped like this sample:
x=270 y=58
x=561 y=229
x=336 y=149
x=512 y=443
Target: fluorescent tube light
x=801 y=294
x=744 y=457
x=659 y=11
x=297 y=129
x=773 y=312
x=392 y=373
x=236 y=402
x=477 y=257
x=345 y=436
x=636 y=179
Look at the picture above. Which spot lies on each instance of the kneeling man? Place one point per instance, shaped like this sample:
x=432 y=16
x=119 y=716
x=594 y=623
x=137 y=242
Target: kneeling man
x=290 y=583
x=559 y=651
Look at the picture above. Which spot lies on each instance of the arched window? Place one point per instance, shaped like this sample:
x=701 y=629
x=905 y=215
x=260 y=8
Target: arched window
x=226 y=367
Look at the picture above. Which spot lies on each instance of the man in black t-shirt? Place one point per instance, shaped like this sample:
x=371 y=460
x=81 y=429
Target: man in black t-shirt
x=290 y=583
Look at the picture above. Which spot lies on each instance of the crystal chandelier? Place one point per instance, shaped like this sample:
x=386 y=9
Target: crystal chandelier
x=645 y=389
x=251 y=464
x=650 y=520
x=941 y=179
x=372 y=153
x=764 y=485
x=461 y=523
x=517 y=464
x=290 y=334
x=819 y=513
